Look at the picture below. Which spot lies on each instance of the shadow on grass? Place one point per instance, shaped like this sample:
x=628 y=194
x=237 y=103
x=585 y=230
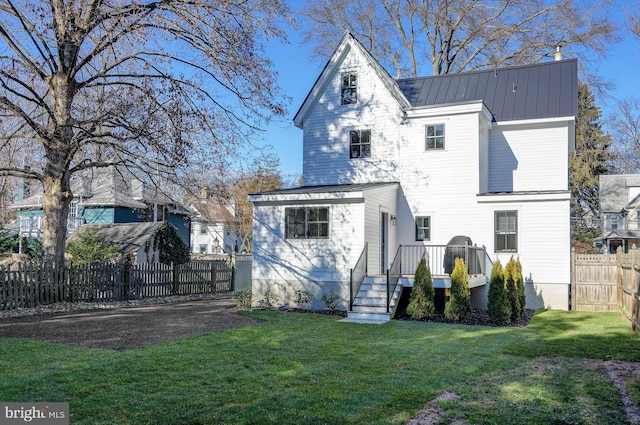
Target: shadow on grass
x=603 y=336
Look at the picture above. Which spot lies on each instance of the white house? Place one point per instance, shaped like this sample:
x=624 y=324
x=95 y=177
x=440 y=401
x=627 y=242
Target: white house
x=415 y=163
x=620 y=212
x=211 y=229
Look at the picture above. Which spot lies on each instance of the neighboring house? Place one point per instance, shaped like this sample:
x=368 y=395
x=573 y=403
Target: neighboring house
x=143 y=241
x=620 y=212
x=211 y=229
x=105 y=196
x=415 y=163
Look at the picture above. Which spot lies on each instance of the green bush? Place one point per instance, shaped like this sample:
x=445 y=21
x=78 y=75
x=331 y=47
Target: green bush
x=331 y=300
x=512 y=292
x=421 y=303
x=459 y=305
x=269 y=301
x=87 y=247
x=302 y=297
x=520 y=286
x=243 y=298
x=499 y=309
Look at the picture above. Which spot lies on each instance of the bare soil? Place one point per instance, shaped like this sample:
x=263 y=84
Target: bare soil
x=125 y=326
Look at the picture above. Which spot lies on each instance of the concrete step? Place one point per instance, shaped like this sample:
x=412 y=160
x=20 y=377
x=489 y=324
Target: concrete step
x=367 y=317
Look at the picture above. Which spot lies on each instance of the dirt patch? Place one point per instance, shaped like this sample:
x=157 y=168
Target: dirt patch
x=129 y=326
x=621 y=373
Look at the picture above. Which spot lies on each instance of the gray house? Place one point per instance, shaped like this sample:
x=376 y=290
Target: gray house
x=620 y=212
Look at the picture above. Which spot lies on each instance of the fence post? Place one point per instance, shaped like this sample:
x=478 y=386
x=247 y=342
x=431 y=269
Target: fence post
x=174 y=277
x=572 y=280
x=634 y=289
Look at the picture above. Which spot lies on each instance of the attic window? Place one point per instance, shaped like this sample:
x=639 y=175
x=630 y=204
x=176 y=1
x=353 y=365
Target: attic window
x=348 y=93
x=360 y=144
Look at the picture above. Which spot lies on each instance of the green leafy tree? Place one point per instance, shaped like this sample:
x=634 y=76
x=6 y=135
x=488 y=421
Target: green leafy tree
x=421 y=302
x=592 y=157
x=499 y=309
x=87 y=247
x=459 y=305
x=510 y=281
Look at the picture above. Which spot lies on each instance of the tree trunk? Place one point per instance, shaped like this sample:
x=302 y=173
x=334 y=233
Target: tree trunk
x=56 y=199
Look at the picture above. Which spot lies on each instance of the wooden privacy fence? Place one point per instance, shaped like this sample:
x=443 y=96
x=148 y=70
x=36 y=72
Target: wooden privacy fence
x=629 y=286
x=594 y=282
x=31 y=284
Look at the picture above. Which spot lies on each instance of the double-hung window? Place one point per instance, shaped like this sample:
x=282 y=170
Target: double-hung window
x=434 y=137
x=360 y=144
x=348 y=92
x=307 y=223
x=506 y=225
x=423 y=228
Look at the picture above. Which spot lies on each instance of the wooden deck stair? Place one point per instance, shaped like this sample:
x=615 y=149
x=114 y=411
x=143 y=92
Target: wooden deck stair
x=370 y=304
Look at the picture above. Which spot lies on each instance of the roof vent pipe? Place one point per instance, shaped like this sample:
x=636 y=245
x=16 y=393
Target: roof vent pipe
x=558 y=54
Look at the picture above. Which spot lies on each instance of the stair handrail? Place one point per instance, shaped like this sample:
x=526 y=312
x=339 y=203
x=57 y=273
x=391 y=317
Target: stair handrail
x=393 y=275
x=357 y=275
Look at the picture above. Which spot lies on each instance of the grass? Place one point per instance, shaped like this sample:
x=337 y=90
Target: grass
x=312 y=369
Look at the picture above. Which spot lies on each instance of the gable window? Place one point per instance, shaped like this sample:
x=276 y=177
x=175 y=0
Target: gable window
x=360 y=144
x=613 y=222
x=423 y=228
x=307 y=223
x=506 y=225
x=203 y=228
x=434 y=137
x=348 y=92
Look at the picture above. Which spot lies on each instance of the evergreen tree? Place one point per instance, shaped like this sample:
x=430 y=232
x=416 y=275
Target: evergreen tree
x=520 y=287
x=499 y=309
x=512 y=294
x=459 y=305
x=421 y=303
x=87 y=247
x=593 y=157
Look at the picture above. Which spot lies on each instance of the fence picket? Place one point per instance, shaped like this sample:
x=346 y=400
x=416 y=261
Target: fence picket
x=29 y=284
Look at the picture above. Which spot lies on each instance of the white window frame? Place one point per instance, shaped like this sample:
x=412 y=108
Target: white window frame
x=431 y=140
x=504 y=231
x=348 y=88
x=306 y=226
x=359 y=144
x=426 y=229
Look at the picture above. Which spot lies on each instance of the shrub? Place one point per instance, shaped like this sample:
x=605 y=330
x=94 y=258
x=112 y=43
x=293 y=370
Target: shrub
x=330 y=300
x=459 y=305
x=88 y=247
x=243 y=298
x=269 y=300
x=499 y=309
x=520 y=287
x=421 y=303
x=512 y=293
x=302 y=297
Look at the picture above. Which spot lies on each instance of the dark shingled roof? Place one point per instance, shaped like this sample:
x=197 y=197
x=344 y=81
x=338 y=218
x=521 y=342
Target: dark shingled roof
x=543 y=90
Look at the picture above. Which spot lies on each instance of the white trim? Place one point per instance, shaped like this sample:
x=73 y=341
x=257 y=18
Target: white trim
x=534 y=121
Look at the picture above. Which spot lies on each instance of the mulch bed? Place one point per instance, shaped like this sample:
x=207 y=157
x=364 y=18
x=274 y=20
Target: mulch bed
x=479 y=318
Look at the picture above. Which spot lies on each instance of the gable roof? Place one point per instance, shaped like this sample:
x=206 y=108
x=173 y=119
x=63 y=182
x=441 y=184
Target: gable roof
x=542 y=90
x=128 y=237
x=346 y=44
x=536 y=91
x=614 y=191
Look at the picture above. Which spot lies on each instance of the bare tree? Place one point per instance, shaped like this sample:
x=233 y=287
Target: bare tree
x=625 y=129
x=462 y=35
x=149 y=85
x=633 y=19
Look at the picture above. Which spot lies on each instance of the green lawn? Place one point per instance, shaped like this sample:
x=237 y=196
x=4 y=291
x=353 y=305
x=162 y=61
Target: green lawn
x=312 y=369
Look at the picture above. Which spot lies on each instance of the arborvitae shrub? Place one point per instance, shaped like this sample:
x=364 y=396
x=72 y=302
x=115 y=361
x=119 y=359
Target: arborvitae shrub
x=499 y=309
x=520 y=287
x=459 y=305
x=512 y=292
x=421 y=301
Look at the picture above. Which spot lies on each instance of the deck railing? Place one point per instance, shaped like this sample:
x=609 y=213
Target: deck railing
x=357 y=275
x=442 y=258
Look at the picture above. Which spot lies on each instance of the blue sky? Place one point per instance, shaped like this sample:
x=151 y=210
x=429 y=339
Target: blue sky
x=297 y=75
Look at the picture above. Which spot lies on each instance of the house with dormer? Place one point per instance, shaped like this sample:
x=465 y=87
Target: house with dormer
x=471 y=165
x=619 y=198
x=107 y=195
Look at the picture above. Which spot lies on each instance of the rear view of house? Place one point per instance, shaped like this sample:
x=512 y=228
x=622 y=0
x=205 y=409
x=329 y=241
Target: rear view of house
x=397 y=169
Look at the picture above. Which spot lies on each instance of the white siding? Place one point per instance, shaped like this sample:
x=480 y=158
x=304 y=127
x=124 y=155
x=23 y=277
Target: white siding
x=378 y=201
x=326 y=131
x=531 y=157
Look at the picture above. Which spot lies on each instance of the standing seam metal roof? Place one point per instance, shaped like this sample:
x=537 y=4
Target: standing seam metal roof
x=543 y=90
